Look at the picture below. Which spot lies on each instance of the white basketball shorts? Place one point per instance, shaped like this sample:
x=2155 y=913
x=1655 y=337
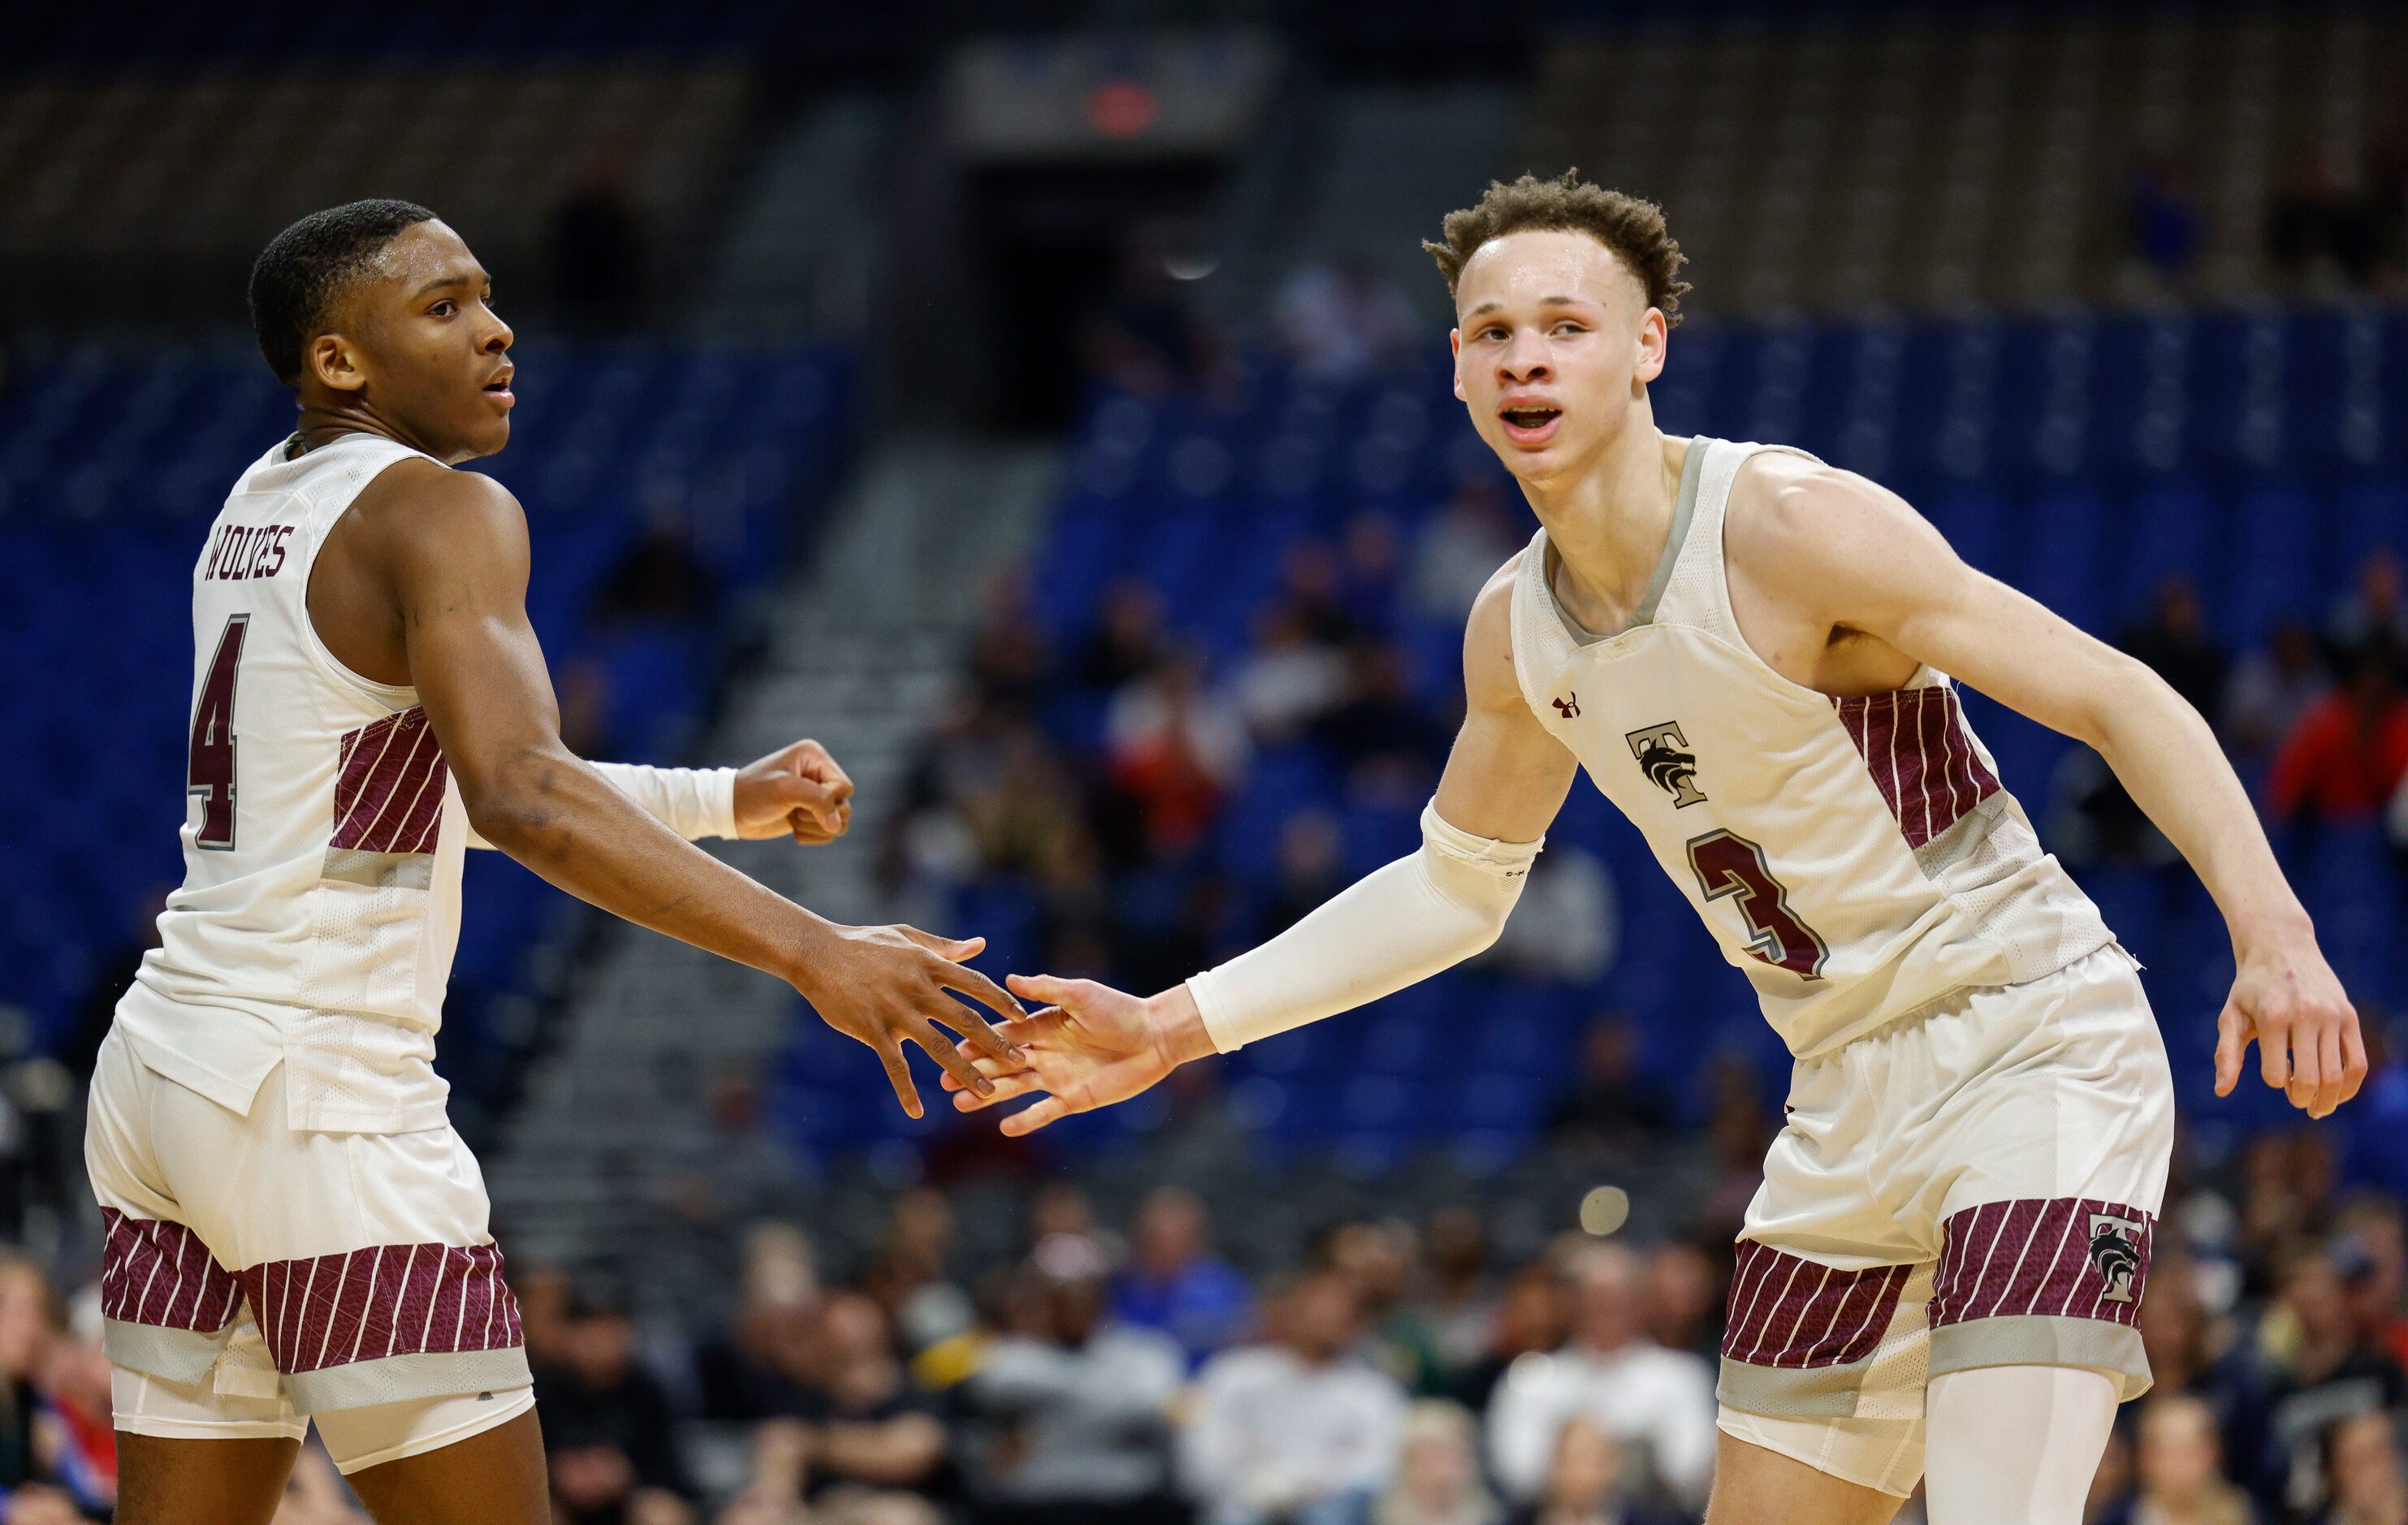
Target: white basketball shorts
x=1976 y=1184
x=256 y=1274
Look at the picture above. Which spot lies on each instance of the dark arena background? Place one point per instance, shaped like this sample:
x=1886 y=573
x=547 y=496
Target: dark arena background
x=1046 y=407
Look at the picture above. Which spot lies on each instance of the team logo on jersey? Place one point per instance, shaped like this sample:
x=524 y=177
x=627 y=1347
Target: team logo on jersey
x=1665 y=758
x=1568 y=707
x=2115 y=1253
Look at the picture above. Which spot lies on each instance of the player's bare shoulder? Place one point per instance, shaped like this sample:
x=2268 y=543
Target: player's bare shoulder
x=1488 y=680
x=1803 y=528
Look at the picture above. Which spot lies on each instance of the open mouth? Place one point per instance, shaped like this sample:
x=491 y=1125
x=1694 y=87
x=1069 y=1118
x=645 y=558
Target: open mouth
x=1529 y=421
x=499 y=388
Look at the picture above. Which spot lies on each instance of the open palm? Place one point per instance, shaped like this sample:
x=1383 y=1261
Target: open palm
x=1092 y=1046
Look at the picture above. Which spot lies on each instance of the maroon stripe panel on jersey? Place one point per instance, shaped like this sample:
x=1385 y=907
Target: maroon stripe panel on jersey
x=388 y=1299
x=1915 y=742
x=389 y=796
x=1790 y=1312
x=160 y=1274
x=2067 y=1258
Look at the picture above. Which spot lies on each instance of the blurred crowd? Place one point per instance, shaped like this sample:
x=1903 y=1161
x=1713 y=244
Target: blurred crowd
x=1403 y=1371
x=2318 y=717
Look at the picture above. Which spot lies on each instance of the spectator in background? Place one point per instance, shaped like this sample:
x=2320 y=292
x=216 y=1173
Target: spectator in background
x=1340 y=320
x=871 y=1432
x=1299 y=1430
x=2162 y=221
x=658 y=581
x=1456 y=1300
x=2325 y=1366
x=1611 y=1105
x=2320 y=231
x=1008 y=658
x=1460 y=552
x=1437 y=1472
x=1531 y=1317
x=1288 y=681
x=2269 y=689
x=1585 y=1480
x=1685 y=1293
x=911 y=1274
x=2189 y=1357
x=1312 y=868
x=759 y=1368
x=1175 y=748
x=2362 y=1467
x=1174 y=1284
x=2175 y=643
x=2372 y=616
x=2348 y=751
x=2180 y=1480
x=1128 y=642
x=314 y=1493
x=607 y=1422
x=1660 y=1401
x=1071 y=1416
x=597 y=249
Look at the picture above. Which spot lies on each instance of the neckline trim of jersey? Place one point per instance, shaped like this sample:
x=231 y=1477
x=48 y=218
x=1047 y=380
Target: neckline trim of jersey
x=1676 y=540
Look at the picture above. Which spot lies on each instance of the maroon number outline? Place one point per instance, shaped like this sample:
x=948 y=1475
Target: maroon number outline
x=209 y=757
x=1781 y=939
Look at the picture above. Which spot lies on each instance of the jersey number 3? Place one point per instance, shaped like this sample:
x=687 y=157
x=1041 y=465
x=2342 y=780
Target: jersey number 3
x=1726 y=864
x=208 y=764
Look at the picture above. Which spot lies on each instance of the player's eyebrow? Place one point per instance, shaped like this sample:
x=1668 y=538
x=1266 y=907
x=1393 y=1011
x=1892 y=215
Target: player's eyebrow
x=472 y=278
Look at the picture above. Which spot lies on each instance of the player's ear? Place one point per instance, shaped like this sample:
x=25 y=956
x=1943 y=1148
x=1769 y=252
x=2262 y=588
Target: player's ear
x=1653 y=335
x=335 y=364
x=1454 y=348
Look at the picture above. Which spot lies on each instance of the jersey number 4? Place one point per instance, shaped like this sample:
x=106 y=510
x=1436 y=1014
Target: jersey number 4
x=1729 y=864
x=208 y=764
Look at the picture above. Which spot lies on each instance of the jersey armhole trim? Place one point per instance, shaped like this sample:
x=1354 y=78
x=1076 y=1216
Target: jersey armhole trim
x=403 y=694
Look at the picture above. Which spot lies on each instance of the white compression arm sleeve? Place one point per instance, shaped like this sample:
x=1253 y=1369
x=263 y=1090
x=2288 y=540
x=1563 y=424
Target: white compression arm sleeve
x=1401 y=925
x=694 y=803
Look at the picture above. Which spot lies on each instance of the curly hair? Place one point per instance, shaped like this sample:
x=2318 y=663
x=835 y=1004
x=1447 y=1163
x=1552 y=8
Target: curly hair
x=1632 y=228
x=302 y=269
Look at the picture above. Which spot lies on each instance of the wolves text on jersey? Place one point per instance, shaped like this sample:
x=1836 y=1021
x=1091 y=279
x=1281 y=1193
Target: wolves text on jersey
x=243 y=552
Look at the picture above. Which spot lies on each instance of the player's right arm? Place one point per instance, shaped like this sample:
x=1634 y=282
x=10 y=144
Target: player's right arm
x=1504 y=782
x=449 y=550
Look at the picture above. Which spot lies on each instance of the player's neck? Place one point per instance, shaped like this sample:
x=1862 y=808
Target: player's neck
x=325 y=421
x=1607 y=524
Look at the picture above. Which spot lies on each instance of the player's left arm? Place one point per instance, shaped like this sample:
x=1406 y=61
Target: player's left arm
x=1858 y=555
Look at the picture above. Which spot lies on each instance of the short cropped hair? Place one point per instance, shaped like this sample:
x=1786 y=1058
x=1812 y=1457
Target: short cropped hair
x=297 y=278
x=1632 y=228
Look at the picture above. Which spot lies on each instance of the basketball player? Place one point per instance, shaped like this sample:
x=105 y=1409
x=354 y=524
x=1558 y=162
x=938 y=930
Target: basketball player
x=1755 y=657
x=294 y=1233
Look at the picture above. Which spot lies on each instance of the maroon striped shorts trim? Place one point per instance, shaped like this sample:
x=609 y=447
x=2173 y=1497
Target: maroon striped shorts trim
x=160 y=1274
x=2064 y=1258
x=317 y=1312
x=1786 y=1311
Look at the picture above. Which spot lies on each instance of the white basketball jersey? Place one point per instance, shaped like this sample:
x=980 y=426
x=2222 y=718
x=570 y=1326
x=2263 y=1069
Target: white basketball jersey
x=323 y=837
x=1856 y=857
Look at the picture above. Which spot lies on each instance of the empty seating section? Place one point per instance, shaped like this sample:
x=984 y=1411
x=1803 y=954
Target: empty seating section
x=2259 y=454
x=112 y=463
x=1952 y=158
x=133 y=197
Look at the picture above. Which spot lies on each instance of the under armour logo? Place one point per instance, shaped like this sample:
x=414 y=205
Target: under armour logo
x=1664 y=757
x=2115 y=1247
x=1567 y=709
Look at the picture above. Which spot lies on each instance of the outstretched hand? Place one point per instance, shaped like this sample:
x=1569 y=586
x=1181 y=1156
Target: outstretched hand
x=1092 y=1046
x=886 y=987
x=796 y=791
x=2309 y=1048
